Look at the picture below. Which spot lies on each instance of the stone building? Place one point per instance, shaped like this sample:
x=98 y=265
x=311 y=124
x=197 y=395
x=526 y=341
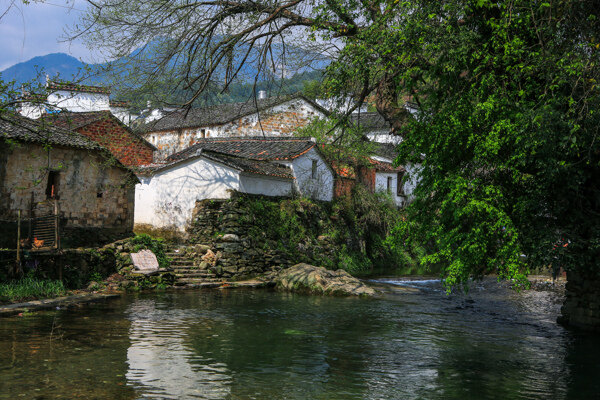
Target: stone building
x=213 y=168
x=280 y=116
x=40 y=163
x=104 y=128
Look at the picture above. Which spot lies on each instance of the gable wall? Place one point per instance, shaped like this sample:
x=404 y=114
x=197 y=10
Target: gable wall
x=318 y=188
x=167 y=199
x=126 y=148
x=281 y=120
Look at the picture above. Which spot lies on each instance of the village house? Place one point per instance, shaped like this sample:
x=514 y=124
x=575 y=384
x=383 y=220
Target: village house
x=74 y=98
x=104 y=128
x=212 y=168
x=272 y=117
x=46 y=170
x=375 y=172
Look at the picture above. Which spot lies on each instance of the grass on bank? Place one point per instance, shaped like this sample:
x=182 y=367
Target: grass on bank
x=29 y=289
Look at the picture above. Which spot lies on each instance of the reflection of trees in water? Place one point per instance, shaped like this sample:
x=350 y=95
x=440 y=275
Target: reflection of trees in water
x=72 y=354
x=159 y=361
x=583 y=361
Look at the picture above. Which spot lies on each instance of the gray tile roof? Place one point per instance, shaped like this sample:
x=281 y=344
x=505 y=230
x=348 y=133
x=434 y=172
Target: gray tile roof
x=370 y=121
x=219 y=114
x=252 y=148
x=16 y=127
x=241 y=164
x=251 y=166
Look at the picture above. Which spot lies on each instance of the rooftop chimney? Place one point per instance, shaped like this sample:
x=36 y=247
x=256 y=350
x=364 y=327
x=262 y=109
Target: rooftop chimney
x=262 y=94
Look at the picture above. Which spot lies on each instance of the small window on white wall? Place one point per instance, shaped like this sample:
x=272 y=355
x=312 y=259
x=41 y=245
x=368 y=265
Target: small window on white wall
x=203 y=132
x=389 y=184
x=314 y=169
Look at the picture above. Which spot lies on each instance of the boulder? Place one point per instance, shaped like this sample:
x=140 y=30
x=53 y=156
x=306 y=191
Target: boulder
x=230 y=237
x=318 y=280
x=201 y=248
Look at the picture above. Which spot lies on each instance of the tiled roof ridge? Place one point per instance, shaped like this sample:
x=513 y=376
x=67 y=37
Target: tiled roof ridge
x=75 y=87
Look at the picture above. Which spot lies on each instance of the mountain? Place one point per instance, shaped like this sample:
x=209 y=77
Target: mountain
x=66 y=66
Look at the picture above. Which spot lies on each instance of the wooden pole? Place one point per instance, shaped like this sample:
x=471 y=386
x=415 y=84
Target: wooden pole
x=18 y=262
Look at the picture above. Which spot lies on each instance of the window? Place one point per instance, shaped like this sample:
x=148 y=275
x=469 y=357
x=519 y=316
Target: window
x=52 y=186
x=400 y=186
x=314 y=169
x=203 y=132
x=389 y=184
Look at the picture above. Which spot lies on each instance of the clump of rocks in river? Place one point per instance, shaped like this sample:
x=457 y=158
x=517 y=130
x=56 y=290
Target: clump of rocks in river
x=307 y=278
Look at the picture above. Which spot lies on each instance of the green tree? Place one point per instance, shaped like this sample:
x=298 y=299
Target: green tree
x=508 y=129
x=506 y=135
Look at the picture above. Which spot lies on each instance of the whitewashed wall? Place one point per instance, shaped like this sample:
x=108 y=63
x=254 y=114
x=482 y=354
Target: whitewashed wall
x=383 y=136
x=167 y=198
x=381 y=179
x=319 y=188
x=265 y=185
x=79 y=101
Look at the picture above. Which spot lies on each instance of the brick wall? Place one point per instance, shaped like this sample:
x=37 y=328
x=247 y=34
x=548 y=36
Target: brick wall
x=123 y=144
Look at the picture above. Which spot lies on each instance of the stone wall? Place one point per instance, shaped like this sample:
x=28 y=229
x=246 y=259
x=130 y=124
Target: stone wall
x=93 y=195
x=582 y=304
x=122 y=143
x=222 y=224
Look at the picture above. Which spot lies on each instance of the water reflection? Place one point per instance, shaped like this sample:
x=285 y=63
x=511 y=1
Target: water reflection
x=161 y=364
x=414 y=343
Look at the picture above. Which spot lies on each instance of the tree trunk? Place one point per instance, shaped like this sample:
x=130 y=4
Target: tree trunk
x=387 y=103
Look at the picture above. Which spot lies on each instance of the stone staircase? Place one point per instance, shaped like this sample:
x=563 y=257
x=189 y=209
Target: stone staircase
x=188 y=275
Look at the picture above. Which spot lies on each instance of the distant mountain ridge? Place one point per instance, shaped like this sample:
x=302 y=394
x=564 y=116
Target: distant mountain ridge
x=67 y=67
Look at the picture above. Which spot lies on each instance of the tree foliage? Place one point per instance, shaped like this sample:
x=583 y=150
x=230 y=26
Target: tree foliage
x=507 y=91
x=508 y=127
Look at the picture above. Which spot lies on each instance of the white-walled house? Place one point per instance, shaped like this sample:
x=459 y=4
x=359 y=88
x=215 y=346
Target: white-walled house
x=212 y=168
x=400 y=181
x=272 y=117
x=74 y=98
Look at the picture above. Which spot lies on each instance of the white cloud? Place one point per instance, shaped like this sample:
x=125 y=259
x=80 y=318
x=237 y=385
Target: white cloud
x=38 y=28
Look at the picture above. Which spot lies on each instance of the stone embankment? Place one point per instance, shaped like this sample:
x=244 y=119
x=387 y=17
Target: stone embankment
x=582 y=304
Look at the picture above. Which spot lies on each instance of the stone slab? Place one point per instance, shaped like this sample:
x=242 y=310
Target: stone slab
x=145 y=262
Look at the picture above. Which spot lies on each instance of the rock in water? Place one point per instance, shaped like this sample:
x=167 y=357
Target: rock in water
x=318 y=280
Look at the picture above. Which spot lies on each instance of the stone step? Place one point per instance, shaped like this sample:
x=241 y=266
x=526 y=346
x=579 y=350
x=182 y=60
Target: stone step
x=182 y=262
x=195 y=275
x=190 y=271
x=197 y=281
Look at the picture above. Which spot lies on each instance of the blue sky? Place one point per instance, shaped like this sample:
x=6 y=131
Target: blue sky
x=37 y=28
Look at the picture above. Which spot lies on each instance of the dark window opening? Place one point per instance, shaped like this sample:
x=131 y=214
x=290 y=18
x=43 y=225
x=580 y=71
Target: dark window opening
x=400 y=186
x=203 y=132
x=389 y=184
x=99 y=195
x=314 y=169
x=52 y=186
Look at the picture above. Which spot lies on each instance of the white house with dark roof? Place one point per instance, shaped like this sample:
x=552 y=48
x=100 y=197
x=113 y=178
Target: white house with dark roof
x=212 y=168
x=272 y=117
x=74 y=98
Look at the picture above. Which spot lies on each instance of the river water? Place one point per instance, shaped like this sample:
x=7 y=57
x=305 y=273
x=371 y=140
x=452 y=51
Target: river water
x=415 y=342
